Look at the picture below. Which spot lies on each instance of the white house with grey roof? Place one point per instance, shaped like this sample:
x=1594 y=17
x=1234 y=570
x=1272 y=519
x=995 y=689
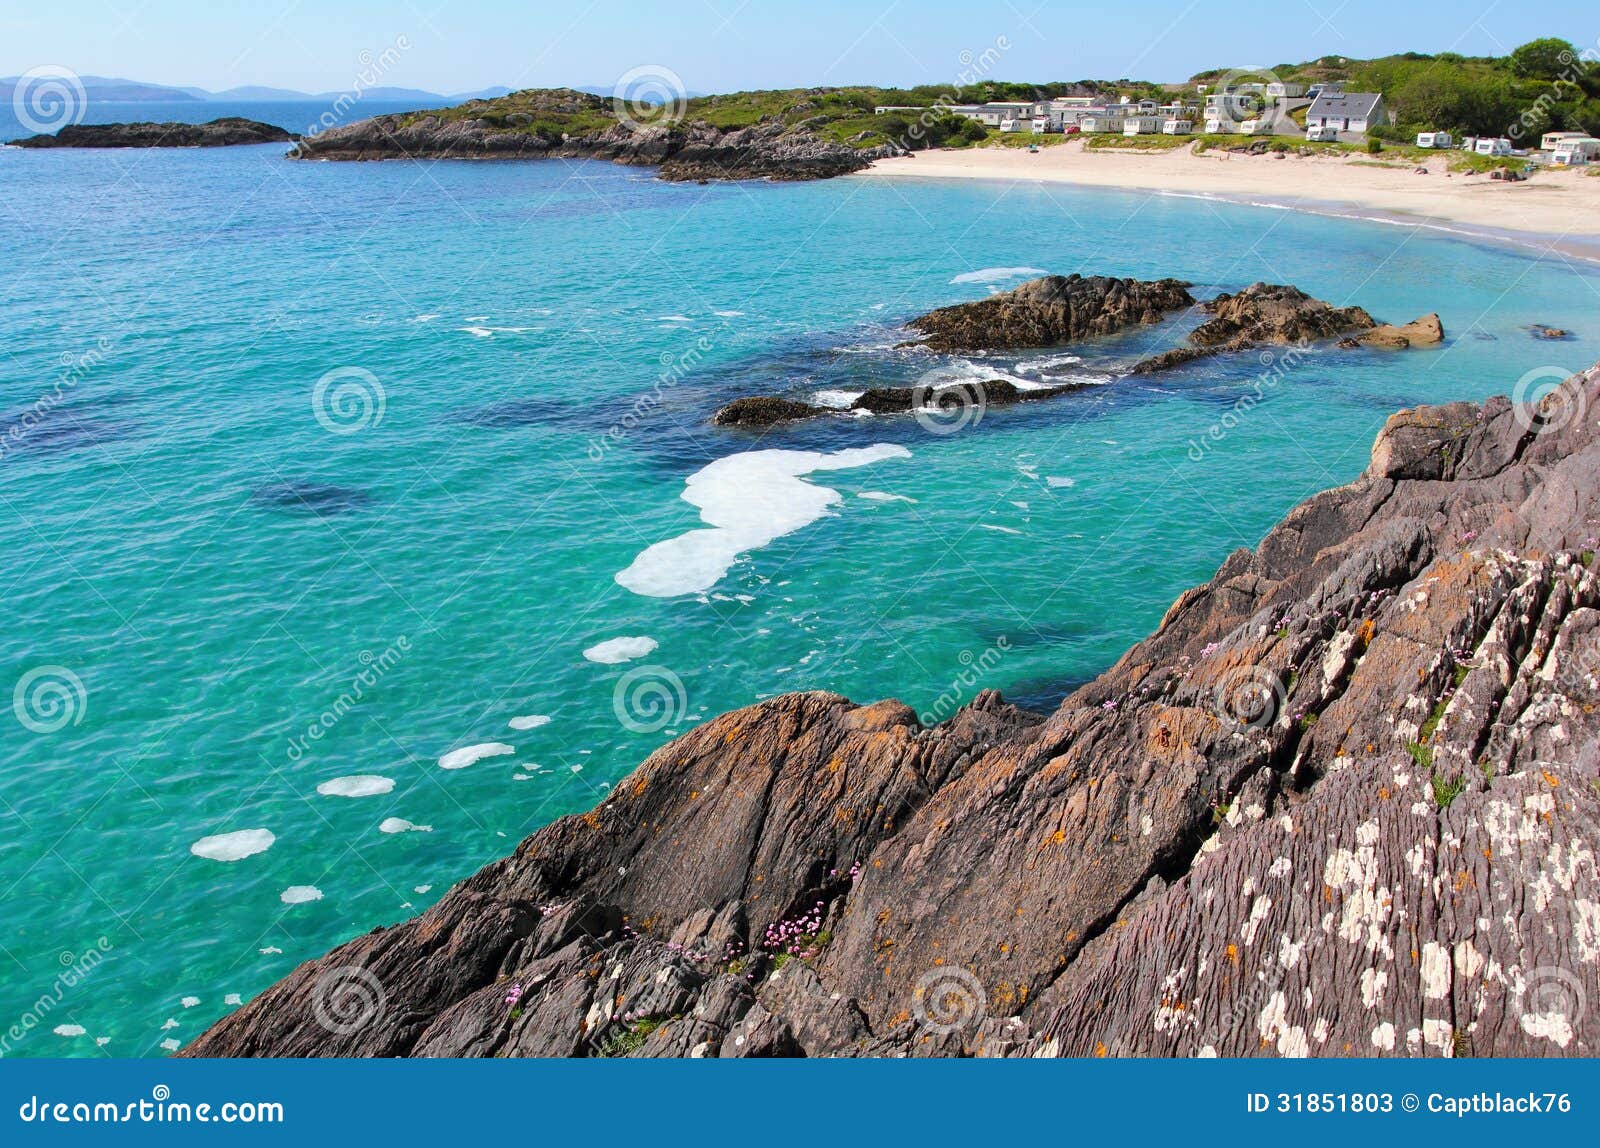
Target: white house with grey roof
x=1355 y=112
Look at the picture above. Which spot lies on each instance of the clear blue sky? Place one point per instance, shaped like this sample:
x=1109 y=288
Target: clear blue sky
x=722 y=45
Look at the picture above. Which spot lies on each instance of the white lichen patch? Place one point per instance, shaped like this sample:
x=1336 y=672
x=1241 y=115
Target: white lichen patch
x=1435 y=971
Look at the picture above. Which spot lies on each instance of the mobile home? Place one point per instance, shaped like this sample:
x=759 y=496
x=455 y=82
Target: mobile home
x=1578 y=152
x=1434 y=139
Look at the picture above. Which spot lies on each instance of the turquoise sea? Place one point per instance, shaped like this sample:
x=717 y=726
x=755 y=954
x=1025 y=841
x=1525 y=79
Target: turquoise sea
x=321 y=472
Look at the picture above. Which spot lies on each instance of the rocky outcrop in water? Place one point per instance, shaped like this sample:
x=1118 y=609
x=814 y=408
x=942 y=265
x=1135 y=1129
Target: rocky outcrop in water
x=229 y=131
x=1279 y=315
x=1049 y=311
x=1343 y=801
x=938 y=399
x=564 y=124
x=1422 y=332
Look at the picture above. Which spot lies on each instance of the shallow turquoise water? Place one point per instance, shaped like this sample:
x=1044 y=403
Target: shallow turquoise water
x=217 y=568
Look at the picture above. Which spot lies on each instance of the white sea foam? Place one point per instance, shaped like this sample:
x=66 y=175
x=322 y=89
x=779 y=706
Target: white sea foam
x=171 y=1045
x=997 y=274
x=883 y=496
x=421 y=888
x=1057 y=480
x=1050 y=363
x=1001 y=529
x=233 y=999
x=838 y=400
x=673 y=319
x=477 y=318
x=747 y=500
x=614 y=651
x=357 y=785
x=270 y=950
x=401 y=825
x=424 y=318
x=727 y=314
x=480 y=332
x=300 y=894
x=70 y=1030
x=530 y=721
x=190 y=1002
x=467 y=755
x=233 y=846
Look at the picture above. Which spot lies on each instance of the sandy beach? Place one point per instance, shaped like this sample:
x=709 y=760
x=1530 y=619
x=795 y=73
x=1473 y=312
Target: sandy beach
x=1554 y=210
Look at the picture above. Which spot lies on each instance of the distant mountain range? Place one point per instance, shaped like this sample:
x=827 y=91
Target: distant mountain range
x=114 y=90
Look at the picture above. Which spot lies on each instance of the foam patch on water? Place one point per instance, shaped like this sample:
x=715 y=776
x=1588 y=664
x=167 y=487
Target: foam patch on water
x=1060 y=481
x=401 y=825
x=615 y=650
x=171 y=1045
x=469 y=755
x=998 y=274
x=1000 y=529
x=883 y=496
x=357 y=785
x=233 y=999
x=234 y=846
x=837 y=400
x=190 y=1002
x=70 y=1030
x=300 y=894
x=727 y=314
x=747 y=500
x=480 y=332
x=531 y=721
x=1050 y=363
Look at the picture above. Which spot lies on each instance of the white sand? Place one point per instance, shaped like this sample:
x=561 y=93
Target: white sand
x=1560 y=204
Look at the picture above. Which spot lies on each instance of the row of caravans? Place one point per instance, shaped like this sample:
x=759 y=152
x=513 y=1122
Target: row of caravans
x=1561 y=149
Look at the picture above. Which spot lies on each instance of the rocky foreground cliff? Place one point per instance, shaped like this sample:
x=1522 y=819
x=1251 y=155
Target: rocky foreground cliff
x=1342 y=802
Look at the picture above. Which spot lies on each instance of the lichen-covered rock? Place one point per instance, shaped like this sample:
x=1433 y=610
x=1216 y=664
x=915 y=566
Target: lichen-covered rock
x=1344 y=801
x=1051 y=310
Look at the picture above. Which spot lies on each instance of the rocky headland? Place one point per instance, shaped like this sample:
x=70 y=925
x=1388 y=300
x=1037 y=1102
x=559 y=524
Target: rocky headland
x=1342 y=802
x=229 y=131
x=565 y=124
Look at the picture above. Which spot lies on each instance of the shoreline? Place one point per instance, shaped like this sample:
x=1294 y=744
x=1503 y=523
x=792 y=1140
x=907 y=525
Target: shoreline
x=1553 y=212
